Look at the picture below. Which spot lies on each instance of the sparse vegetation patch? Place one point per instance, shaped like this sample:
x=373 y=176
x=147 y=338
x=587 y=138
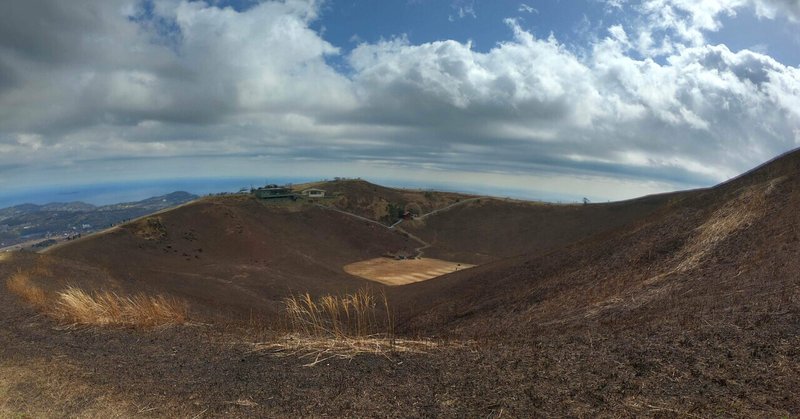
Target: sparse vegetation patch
x=150 y=229
x=76 y=306
x=20 y=283
x=340 y=327
x=350 y=315
x=320 y=349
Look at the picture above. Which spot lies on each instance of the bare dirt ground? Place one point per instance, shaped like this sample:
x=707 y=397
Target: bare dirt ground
x=401 y=272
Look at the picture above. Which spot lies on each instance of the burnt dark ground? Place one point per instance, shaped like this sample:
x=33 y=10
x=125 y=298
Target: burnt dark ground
x=472 y=233
x=184 y=371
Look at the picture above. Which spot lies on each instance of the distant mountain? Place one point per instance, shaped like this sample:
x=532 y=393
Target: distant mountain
x=155 y=203
x=28 y=222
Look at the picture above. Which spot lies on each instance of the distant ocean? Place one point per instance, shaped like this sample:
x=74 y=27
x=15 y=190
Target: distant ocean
x=112 y=193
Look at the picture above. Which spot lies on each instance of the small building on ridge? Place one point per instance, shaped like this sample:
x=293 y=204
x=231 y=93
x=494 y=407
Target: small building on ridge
x=313 y=193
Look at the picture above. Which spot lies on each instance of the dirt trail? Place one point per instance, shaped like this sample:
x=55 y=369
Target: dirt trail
x=436 y=211
x=420 y=250
x=356 y=216
x=396 y=226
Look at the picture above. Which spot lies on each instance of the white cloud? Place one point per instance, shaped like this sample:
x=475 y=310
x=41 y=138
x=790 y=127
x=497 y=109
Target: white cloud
x=463 y=9
x=195 y=81
x=532 y=78
x=773 y=8
x=525 y=8
x=662 y=26
x=536 y=102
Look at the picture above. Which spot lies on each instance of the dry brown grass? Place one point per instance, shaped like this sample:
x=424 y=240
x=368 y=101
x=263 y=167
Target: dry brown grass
x=20 y=283
x=401 y=272
x=150 y=228
x=350 y=315
x=340 y=326
x=321 y=349
x=76 y=306
x=736 y=215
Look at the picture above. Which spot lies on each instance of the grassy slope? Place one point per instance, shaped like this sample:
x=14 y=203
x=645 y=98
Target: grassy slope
x=234 y=255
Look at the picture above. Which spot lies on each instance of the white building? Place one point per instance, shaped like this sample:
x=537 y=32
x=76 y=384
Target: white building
x=314 y=193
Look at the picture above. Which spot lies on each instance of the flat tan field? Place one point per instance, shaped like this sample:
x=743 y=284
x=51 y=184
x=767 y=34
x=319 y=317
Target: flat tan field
x=400 y=272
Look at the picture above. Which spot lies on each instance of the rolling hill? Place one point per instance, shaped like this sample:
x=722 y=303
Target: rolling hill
x=682 y=304
x=235 y=256
x=702 y=253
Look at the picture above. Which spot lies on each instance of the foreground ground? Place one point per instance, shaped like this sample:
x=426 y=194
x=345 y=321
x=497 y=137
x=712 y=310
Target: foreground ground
x=202 y=371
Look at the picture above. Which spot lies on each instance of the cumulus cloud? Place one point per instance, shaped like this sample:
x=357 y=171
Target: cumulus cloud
x=663 y=26
x=648 y=103
x=531 y=102
x=158 y=76
x=772 y=8
x=523 y=79
x=224 y=63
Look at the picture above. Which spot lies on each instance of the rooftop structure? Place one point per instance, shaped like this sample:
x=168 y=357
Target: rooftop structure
x=314 y=193
x=273 y=192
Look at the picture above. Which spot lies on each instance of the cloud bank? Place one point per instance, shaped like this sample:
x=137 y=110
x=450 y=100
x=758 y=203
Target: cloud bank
x=646 y=106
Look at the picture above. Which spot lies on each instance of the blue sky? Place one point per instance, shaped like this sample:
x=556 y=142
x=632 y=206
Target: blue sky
x=609 y=99
x=778 y=37
x=345 y=23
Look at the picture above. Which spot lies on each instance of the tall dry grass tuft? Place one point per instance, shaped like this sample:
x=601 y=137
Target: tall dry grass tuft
x=76 y=306
x=341 y=327
x=20 y=283
x=342 y=316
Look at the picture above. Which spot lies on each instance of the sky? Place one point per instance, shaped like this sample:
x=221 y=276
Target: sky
x=545 y=99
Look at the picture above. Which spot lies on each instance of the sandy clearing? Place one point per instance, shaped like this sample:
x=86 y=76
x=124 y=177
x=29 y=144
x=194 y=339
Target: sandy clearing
x=400 y=272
